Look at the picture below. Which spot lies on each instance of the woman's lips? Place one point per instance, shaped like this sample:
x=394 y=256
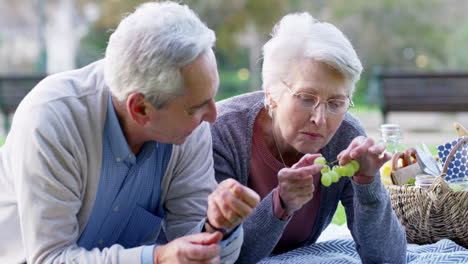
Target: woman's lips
x=312 y=136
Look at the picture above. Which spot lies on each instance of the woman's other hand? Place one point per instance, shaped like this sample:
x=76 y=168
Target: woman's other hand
x=370 y=156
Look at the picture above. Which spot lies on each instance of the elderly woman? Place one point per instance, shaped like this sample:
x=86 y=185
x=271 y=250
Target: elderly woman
x=269 y=140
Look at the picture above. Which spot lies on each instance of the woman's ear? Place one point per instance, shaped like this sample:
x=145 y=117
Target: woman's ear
x=138 y=108
x=269 y=100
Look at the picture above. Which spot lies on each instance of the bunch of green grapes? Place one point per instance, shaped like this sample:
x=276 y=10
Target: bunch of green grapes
x=334 y=174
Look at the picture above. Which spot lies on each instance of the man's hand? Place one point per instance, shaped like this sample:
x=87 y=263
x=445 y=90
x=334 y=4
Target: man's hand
x=296 y=184
x=198 y=248
x=230 y=204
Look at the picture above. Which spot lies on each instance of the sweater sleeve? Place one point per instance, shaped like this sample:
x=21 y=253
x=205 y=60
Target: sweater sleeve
x=262 y=229
x=46 y=156
x=378 y=234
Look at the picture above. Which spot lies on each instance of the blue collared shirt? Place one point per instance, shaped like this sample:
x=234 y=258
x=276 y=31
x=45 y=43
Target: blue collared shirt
x=128 y=210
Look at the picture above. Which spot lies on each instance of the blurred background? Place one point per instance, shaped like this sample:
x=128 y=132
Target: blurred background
x=40 y=37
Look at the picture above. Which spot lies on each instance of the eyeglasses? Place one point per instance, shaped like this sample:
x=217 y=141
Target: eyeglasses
x=311 y=101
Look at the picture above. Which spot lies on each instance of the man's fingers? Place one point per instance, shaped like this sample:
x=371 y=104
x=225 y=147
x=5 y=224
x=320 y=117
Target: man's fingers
x=226 y=202
x=201 y=253
x=240 y=191
x=205 y=238
x=246 y=194
x=215 y=260
x=240 y=206
x=231 y=203
x=228 y=183
x=215 y=214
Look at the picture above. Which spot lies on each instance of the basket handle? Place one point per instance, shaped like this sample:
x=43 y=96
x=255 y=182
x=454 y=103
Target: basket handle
x=452 y=153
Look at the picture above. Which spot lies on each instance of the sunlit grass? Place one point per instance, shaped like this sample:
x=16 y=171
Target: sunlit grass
x=432 y=148
x=340 y=216
x=364 y=108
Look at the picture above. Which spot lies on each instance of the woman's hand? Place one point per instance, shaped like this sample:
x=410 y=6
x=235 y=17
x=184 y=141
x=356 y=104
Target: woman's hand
x=370 y=156
x=296 y=184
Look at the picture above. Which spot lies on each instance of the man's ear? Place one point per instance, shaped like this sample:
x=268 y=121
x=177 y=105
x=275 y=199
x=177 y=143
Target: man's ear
x=138 y=108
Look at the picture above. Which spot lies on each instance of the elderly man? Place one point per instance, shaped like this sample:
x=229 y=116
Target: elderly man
x=100 y=159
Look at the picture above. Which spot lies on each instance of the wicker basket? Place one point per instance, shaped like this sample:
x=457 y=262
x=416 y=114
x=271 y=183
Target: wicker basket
x=433 y=214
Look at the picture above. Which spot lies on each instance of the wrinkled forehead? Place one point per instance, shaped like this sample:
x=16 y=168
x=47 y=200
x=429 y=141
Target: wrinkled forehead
x=200 y=77
x=312 y=76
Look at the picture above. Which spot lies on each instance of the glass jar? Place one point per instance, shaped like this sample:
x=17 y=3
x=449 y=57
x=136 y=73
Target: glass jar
x=391 y=135
x=424 y=181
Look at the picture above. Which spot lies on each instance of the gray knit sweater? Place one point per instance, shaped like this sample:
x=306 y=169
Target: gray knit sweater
x=378 y=234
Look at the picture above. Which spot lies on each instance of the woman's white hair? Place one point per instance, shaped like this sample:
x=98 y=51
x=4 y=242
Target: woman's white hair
x=148 y=48
x=298 y=36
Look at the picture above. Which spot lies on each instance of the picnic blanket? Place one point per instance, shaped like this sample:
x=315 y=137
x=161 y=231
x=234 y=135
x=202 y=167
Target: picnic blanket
x=343 y=251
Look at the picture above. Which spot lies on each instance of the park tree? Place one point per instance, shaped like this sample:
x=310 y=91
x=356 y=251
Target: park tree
x=391 y=34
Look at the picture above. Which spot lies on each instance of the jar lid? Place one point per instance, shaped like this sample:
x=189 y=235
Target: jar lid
x=390 y=127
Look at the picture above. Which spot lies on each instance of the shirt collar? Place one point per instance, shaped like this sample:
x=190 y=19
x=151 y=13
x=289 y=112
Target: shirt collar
x=117 y=141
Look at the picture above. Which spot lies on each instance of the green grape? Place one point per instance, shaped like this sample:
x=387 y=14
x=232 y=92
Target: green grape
x=334 y=176
x=355 y=165
x=326 y=179
x=320 y=160
x=340 y=170
x=348 y=170
x=325 y=169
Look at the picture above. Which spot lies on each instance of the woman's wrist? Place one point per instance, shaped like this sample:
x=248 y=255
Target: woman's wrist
x=279 y=208
x=362 y=179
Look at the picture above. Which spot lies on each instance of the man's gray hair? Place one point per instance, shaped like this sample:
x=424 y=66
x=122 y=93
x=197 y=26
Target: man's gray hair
x=299 y=35
x=148 y=48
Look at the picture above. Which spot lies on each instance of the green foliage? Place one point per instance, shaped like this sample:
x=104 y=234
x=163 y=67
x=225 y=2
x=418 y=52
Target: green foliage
x=233 y=60
x=360 y=93
x=386 y=33
x=383 y=30
x=93 y=46
x=112 y=11
x=458 y=59
x=230 y=85
x=230 y=19
x=432 y=148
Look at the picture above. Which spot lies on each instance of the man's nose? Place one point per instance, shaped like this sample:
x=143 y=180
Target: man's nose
x=210 y=115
